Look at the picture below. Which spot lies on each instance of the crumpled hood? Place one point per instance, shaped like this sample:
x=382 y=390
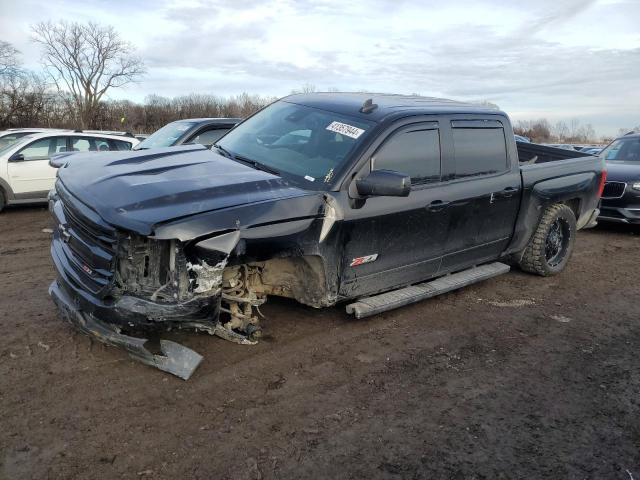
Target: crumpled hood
x=139 y=189
x=623 y=171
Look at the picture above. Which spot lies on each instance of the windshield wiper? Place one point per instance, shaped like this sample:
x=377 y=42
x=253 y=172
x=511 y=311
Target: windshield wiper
x=223 y=151
x=257 y=165
x=246 y=161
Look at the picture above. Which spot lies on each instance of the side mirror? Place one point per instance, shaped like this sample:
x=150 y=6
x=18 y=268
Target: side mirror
x=384 y=183
x=16 y=157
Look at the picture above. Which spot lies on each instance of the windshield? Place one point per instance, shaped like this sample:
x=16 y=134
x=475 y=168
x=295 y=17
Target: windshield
x=166 y=136
x=4 y=147
x=623 y=150
x=11 y=138
x=303 y=142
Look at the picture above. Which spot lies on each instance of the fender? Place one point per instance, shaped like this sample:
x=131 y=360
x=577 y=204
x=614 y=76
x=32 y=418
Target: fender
x=566 y=189
x=8 y=191
x=298 y=252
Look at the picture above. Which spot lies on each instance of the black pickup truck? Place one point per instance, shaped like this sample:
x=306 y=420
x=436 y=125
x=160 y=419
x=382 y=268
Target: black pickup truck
x=374 y=201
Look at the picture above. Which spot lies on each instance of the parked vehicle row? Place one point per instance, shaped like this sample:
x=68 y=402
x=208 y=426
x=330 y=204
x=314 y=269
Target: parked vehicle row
x=25 y=173
x=375 y=202
x=621 y=196
x=588 y=149
x=29 y=157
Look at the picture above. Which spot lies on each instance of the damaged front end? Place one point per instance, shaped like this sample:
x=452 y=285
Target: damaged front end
x=116 y=286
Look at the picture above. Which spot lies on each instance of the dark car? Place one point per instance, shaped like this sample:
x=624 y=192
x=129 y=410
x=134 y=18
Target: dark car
x=322 y=198
x=205 y=131
x=621 y=195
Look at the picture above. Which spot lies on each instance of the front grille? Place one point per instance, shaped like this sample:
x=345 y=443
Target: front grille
x=88 y=243
x=614 y=189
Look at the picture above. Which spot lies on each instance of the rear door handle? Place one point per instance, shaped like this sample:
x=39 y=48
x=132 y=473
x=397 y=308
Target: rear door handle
x=437 y=205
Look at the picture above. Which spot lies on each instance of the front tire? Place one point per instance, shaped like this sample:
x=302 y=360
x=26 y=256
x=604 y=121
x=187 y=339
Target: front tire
x=3 y=201
x=552 y=243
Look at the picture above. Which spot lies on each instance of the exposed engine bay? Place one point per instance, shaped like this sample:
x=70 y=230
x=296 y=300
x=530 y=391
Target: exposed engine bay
x=162 y=285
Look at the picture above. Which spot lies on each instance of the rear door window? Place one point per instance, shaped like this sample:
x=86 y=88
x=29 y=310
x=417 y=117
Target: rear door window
x=59 y=144
x=82 y=144
x=414 y=151
x=102 y=144
x=479 y=148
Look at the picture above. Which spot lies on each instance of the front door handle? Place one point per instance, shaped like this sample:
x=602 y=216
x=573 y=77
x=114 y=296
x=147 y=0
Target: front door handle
x=437 y=205
x=508 y=192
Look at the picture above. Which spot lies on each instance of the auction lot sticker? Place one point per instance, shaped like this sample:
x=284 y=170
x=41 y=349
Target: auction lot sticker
x=345 y=129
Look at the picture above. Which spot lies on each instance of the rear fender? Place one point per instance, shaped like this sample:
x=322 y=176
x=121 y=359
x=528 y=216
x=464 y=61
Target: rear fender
x=578 y=191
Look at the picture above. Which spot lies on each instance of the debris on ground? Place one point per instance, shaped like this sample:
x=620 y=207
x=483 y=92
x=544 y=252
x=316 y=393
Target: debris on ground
x=517 y=303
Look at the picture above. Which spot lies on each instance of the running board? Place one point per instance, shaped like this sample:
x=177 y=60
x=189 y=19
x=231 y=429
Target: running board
x=368 y=306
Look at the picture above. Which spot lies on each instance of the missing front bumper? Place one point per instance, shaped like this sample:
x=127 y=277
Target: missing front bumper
x=176 y=359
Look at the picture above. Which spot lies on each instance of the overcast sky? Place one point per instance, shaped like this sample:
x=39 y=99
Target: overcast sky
x=559 y=59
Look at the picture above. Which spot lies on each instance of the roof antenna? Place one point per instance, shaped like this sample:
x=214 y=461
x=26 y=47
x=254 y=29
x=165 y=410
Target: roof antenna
x=368 y=106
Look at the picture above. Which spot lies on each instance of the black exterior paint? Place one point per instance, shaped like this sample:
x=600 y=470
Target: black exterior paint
x=189 y=193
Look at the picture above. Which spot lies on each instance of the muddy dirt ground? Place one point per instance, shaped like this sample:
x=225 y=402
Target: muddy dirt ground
x=518 y=377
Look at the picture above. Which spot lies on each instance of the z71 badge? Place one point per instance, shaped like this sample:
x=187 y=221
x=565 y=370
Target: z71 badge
x=360 y=260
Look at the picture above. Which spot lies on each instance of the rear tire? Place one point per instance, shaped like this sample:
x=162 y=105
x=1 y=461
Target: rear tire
x=552 y=243
x=3 y=201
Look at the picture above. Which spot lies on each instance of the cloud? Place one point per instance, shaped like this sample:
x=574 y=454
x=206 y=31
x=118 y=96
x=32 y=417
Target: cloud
x=575 y=58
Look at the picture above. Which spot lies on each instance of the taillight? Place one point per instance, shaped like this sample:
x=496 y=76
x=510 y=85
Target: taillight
x=603 y=180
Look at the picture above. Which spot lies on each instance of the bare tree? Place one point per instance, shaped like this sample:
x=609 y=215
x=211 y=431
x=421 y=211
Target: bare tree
x=87 y=61
x=23 y=98
x=306 y=88
x=9 y=63
x=561 y=131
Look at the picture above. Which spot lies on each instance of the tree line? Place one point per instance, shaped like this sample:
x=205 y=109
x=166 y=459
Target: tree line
x=81 y=63
x=542 y=131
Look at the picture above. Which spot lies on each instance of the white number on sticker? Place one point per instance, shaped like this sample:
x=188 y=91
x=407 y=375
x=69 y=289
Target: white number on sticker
x=345 y=129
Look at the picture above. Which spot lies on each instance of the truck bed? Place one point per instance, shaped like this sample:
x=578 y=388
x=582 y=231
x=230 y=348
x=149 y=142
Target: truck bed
x=533 y=153
x=552 y=175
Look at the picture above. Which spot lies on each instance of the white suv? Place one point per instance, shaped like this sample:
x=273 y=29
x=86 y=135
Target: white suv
x=12 y=135
x=25 y=173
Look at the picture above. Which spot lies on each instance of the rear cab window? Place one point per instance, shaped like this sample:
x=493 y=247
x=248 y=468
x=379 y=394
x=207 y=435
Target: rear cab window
x=479 y=148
